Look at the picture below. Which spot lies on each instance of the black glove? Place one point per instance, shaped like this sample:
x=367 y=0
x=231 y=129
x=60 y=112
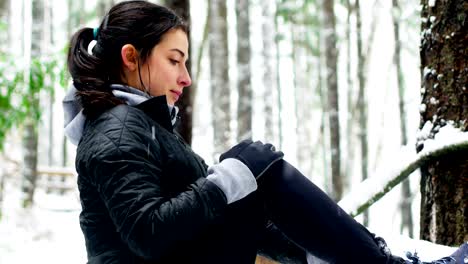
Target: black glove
x=258 y=157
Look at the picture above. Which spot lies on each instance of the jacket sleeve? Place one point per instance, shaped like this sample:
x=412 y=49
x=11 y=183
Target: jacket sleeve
x=276 y=246
x=127 y=175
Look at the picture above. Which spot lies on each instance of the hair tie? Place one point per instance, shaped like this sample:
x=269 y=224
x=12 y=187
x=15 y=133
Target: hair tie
x=95 y=32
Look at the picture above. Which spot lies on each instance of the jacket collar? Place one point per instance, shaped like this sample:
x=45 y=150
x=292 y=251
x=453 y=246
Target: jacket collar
x=157 y=109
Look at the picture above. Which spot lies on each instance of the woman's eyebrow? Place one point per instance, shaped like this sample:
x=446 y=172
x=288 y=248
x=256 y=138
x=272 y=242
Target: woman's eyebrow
x=178 y=50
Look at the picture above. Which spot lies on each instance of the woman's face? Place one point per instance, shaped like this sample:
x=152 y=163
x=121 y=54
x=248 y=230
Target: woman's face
x=165 y=72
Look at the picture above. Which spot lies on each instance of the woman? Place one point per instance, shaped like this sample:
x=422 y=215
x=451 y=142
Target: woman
x=148 y=198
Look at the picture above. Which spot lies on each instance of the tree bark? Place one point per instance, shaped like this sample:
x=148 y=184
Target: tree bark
x=244 y=87
x=444 y=71
x=185 y=103
x=220 y=92
x=333 y=107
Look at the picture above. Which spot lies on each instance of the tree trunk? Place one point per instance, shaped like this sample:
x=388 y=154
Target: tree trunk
x=48 y=39
x=350 y=149
x=322 y=93
x=269 y=71
x=304 y=96
x=278 y=81
x=362 y=103
x=244 y=88
x=406 y=215
x=444 y=71
x=30 y=140
x=185 y=104
x=333 y=107
x=220 y=92
x=4 y=40
x=103 y=7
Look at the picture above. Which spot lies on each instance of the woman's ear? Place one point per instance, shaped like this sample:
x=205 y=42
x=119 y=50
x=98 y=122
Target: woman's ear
x=129 y=57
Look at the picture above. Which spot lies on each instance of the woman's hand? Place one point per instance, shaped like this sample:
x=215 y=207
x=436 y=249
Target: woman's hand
x=258 y=157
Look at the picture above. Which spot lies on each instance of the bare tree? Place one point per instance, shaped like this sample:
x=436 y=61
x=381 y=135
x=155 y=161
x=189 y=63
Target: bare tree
x=444 y=71
x=407 y=216
x=348 y=162
x=304 y=92
x=244 y=106
x=269 y=70
x=220 y=92
x=278 y=80
x=332 y=84
x=30 y=138
x=362 y=103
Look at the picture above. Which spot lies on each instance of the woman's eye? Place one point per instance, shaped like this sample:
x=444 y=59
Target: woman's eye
x=174 y=62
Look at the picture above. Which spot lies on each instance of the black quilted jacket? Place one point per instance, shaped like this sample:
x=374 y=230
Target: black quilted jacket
x=145 y=198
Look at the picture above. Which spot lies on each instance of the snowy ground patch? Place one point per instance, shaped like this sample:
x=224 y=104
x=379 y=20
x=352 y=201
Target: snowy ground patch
x=48 y=233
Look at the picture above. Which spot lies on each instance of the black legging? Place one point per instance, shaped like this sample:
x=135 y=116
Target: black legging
x=308 y=217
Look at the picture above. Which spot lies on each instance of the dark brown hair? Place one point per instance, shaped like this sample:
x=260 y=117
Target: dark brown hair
x=139 y=23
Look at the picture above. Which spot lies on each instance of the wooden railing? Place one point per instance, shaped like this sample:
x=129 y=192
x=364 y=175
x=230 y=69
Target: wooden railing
x=57 y=178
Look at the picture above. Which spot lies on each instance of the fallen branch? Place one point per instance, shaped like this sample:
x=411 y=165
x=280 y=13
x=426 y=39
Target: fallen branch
x=370 y=191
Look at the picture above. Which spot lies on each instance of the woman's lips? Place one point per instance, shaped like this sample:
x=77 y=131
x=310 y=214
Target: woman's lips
x=177 y=94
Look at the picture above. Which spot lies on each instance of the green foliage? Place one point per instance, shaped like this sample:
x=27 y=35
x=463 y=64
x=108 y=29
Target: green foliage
x=19 y=97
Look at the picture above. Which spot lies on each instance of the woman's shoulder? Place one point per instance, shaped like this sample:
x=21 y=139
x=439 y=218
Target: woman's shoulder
x=121 y=116
x=122 y=122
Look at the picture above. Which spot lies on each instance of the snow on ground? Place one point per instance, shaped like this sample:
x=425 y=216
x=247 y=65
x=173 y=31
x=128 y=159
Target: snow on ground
x=48 y=233
x=427 y=251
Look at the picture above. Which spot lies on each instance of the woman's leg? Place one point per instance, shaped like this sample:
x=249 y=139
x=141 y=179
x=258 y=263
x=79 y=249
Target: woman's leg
x=315 y=222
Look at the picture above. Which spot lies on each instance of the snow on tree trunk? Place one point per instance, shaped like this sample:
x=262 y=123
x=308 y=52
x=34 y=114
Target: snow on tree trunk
x=244 y=105
x=185 y=103
x=332 y=84
x=444 y=71
x=406 y=214
x=269 y=70
x=404 y=162
x=220 y=92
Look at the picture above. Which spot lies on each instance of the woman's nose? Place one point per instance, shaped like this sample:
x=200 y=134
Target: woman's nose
x=185 y=80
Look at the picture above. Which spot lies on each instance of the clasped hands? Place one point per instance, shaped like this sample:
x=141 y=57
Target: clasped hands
x=258 y=157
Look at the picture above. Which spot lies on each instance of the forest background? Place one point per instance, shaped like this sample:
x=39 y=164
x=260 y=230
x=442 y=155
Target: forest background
x=347 y=89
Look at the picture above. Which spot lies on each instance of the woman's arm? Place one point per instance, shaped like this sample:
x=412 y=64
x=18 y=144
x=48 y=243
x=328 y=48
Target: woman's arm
x=127 y=172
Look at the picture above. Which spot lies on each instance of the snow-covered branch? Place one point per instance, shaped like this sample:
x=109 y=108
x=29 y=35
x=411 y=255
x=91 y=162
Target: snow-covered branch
x=448 y=140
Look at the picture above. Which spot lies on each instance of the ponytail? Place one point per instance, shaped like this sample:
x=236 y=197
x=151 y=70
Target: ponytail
x=90 y=74
x=139 y=23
